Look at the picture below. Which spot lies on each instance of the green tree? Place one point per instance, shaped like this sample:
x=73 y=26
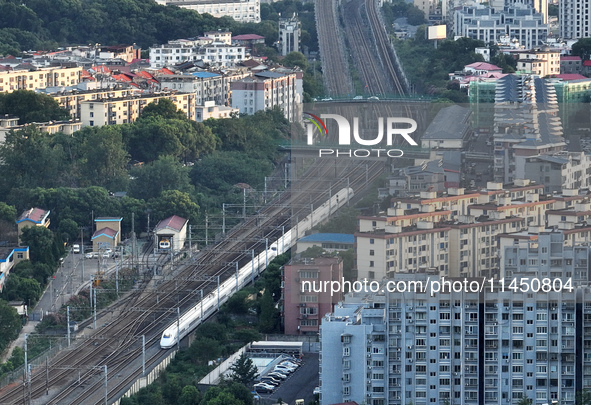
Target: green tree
x=40 y=241
x=190 y=396
x=298 y=59
x=582 y=48
x=29 y=106
x=10 y=324
x=165 y=173
x=582 y=398
x=204 y=349
x=243 y=370
x=174 y=202
x=7 y=212
x=163 y=108
x=104 y=157
x=27 y=290
x=247 y=335
x=68 y=228
x=268 y=319
x=29 y=160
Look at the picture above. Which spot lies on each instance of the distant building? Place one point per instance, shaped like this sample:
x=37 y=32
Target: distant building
x=216 y=53
x=210 y=110
x=540 y=62
x=449 y=129
x=574 y=18
x=8 y=258
x=289 y=35
x=330 y=242
x=303 y=306
x=266 y=90
x=224 y=37
x=557 y=171
x=246 y=11
x=96 y=113
x=487 y=24
x=570 y=64
x=38 y=78
x=171 y=233
x=107 y=234
x=248 y=40
x=32 y=217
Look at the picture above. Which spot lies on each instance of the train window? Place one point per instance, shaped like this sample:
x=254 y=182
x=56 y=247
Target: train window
x=166 y=335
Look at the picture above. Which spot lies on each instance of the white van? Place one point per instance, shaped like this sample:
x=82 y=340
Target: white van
x=76 y=248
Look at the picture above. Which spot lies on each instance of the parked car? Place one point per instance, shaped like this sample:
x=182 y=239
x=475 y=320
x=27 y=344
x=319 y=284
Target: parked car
x=262 y=387
x=283 y=369
x=277 y=374
x=270 y=381
x=76 y=248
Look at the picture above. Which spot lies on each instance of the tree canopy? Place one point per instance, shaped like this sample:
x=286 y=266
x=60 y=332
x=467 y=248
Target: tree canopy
x=29 y=106
x=582 y=48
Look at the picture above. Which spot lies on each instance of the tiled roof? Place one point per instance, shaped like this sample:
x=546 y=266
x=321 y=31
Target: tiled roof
x=482 y=66
x=111 y=233
x=175 y=222
x=569 y=76
x=36 y=215
x=587 y=63
x=247 y=37
x=570 y=58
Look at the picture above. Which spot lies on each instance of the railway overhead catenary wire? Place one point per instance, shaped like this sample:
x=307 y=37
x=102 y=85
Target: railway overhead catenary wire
x=125 y=327
x=335 y=66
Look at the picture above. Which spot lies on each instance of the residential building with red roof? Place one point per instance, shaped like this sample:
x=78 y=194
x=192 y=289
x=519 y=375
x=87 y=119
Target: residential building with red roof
x=570 y=64
x=32 y=217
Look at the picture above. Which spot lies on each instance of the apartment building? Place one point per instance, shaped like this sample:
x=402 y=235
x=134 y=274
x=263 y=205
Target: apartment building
x=454 y=233
x=526 y=122
x=540 y=62
x=557 y=171
x=246 y=11
x=207 y=86
x=39 y=78
x=561 y=252
x=218 y=54
x=71 y=100
x=266 y=90
x=290 y=32
x=210 y=110
x=304 y=301
x=570 y=64
x=127 y=109
x=457 y=348
x=518 y=21
x=574 y=19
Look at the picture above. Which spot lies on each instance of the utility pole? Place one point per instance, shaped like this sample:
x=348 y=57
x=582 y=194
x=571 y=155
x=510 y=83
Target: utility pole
x=82 y=250
x=218 y=293
x=178 y=327
x=223 y=219
x=143 y=355
x=207 y=229
x=94 y=308
x=244 y=203
x=68 y=323
x=252 y=261
x=106 y=387
x=201 y=305
x=190 y=246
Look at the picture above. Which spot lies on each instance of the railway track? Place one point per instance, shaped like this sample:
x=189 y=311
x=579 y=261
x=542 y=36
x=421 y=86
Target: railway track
x=335 y=66
x=146 y=314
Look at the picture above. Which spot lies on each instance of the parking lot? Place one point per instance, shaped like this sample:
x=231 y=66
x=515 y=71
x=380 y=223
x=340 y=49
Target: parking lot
x=299 y=385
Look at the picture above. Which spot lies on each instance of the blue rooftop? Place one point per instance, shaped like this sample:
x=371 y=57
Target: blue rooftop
x=204 y=75
x=329 y=237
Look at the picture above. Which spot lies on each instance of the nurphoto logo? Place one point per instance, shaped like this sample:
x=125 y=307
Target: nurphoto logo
x=388 y=128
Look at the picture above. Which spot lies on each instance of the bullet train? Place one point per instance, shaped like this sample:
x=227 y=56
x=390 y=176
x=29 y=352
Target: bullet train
x=203 y=309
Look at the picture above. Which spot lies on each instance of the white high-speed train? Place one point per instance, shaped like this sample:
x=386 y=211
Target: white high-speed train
x=202 y=310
